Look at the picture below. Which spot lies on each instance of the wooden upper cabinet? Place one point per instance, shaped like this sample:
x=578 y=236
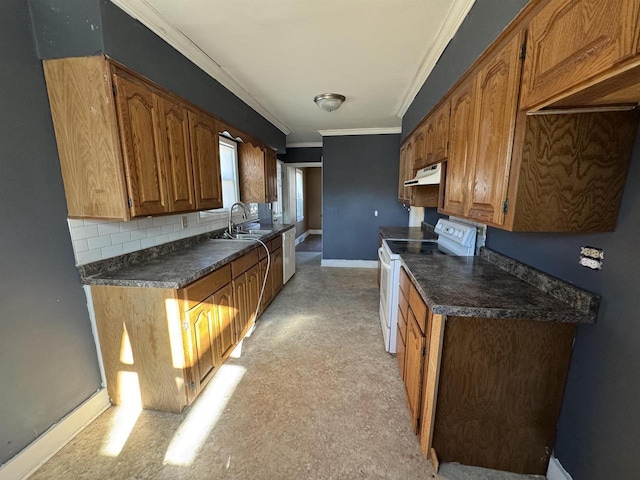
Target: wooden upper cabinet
x=572 y=42
x=420 y=145
x=205 y=151
x=179 y=171
x=271 y=175
x=498 y=81
x=401 y=172
x=439 y=144
x=252 y=166
x=460 y=148
x=142 y=145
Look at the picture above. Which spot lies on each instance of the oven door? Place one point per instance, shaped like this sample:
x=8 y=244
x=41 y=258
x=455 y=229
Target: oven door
x=388 y=285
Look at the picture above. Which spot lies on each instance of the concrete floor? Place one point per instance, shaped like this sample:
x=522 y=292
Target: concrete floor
x=313 y=395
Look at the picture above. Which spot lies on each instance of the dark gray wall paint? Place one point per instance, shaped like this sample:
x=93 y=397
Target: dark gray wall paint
x=486 y=19
x=66 y=28
x=48 y=361
x=302 y=155
x=63 y=29
x=598 y=430
x=359 y=175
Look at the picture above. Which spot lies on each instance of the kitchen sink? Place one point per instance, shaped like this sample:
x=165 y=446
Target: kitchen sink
x=246 y=236
x=260 y=232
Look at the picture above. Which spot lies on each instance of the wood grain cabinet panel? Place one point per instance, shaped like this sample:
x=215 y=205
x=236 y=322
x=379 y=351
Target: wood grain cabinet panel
x=401 y=172
x=254 y=286
x=413 y=365
x=420 y=147
x=179 y=170
x=440 y=145
x=495 y=109
x=224 y=315
x=203 y=342
x=460 y=148
x=205 y=152
x=572 y=42
x=142 y=145
x=257 y=167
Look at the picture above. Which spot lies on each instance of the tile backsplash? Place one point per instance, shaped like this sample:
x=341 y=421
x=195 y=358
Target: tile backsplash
x=95 y=240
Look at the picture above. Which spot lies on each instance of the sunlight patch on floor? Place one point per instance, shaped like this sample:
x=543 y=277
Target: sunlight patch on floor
x=203 y=416
x=125 y=417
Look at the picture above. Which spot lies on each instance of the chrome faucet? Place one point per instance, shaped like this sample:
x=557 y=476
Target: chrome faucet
x=244 y=215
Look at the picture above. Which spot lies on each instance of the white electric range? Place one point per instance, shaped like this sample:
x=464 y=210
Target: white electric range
x=454 y=238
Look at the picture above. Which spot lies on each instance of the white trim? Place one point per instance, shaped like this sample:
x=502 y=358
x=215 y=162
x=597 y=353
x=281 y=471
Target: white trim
x=303 y=164
x=453 y=20
x=315 y=232
x=304 y=145
x=360 y=131
x=301 y=238
x=157 y=23
x=349 y=263
x=556 y=471
x=53 y=440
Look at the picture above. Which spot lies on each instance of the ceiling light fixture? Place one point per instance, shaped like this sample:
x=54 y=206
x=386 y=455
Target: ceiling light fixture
x=329 y=101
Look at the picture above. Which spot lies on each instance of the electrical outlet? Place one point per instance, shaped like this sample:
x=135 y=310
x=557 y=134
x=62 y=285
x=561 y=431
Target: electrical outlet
x=591 y=257
x=185 y=222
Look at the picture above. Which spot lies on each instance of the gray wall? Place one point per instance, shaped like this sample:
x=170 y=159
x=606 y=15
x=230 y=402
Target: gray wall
x=48 y=362
x=484 y=22
x=360 y=175
x=598 y=431
x=60 y=31
x=302 y=155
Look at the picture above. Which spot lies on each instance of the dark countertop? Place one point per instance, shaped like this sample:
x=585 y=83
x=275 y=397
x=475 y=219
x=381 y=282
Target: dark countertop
x=179 y=268
x=408 y=233
x=494 y=286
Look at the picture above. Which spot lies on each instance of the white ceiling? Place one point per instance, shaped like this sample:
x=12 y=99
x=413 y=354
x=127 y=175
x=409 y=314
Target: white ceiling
x=278 y=54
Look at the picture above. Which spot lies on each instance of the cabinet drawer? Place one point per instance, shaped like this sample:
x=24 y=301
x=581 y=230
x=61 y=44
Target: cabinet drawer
x=200 y=289
x=275 y=244
x=244 y=263
x=418 y=308
x=405 y=283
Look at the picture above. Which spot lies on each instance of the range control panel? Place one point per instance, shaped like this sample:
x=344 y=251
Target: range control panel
x=457 y=232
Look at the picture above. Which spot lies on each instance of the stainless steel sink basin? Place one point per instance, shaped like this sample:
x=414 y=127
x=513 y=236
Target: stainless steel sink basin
x=246 y=236
x=260 y=232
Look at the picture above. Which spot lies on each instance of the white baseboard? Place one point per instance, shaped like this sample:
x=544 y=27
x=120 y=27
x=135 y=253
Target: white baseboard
x=315 y=232
x=556 y=471
x=301 y=238
x=51 y=442
x=350 y=263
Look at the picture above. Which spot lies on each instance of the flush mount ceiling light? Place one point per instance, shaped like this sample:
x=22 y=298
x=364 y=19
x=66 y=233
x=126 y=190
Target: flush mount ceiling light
x=329 y=101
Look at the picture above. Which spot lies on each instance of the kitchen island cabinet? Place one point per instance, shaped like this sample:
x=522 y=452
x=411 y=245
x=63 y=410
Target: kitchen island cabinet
x=487 y=355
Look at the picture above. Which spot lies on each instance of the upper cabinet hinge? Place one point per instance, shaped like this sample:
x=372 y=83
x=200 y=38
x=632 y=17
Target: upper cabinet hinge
x=523 y=51
x=505 y=206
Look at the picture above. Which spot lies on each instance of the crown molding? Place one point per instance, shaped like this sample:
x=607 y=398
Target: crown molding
x=157 y=23
x=360 y=131
x=304 y=145
x=453 y=20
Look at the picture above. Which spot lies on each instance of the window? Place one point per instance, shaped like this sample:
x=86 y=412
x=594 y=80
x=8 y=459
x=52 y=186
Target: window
x=229 y=172
x=299 y=195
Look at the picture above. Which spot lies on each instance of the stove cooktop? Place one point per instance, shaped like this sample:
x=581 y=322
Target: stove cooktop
x=415 y=246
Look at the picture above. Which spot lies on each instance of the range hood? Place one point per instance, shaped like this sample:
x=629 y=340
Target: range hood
x=425 y=176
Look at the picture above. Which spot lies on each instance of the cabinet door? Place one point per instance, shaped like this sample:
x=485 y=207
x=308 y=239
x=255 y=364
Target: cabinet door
x=271 y=173
x=413 y=365
x=142 y=146
x=420 y=147
x=495 y=112
x=408 y=171
x=223 y=309
x=177 y=151
x=401 y=172
x=268 y=291
x=460 y=153
x=240 y=301
x=205 y=152
x=277 y=271
x=440 y=138
x=254 y=285
x=204 y=346
x=572 y=41
x=252 y=172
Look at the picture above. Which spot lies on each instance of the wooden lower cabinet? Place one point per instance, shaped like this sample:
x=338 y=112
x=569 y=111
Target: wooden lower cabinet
x=485 y=391
x=161 y=346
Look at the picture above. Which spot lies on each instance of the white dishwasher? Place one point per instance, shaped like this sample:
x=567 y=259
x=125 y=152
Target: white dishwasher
x=288 y=254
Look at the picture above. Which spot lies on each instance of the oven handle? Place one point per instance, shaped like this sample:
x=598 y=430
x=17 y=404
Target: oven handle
x=381 y=256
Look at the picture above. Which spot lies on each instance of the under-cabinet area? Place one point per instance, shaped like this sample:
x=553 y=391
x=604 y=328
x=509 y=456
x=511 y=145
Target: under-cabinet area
x=130 y=148
x=164 y=328
x=534 y=137
x=483 y=347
